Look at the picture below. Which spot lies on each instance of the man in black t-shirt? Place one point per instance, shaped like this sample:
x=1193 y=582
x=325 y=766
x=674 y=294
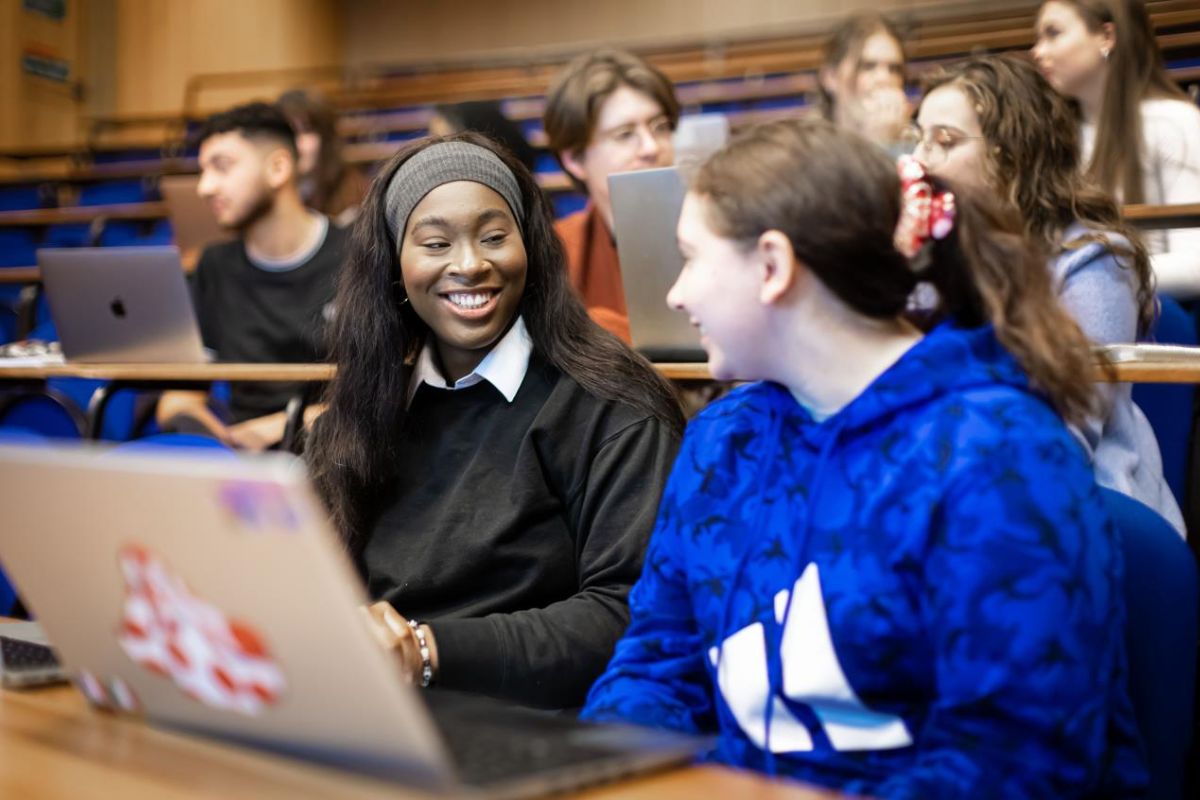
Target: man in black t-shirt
x=265 y=296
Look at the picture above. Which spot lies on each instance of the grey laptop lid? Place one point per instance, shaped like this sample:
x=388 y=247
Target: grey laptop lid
x=646 y=207
x=192 y=219
x=121 y=304
x=210 y=593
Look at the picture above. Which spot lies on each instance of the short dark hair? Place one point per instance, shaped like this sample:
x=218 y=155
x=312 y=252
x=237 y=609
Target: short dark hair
x=257 y=120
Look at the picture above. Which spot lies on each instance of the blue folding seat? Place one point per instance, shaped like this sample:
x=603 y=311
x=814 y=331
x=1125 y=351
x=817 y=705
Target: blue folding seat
x=111 y=192
x=18 y=247
x=20 y=198
x=1162 y=612
x=566 y=203
x=1170 y=406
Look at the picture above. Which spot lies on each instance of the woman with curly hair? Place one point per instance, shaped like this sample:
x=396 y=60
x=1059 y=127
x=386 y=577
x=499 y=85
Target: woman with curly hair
x=995 y=123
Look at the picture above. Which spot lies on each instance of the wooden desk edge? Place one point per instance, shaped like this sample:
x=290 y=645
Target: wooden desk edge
x=1149 y=371
x=173 y=372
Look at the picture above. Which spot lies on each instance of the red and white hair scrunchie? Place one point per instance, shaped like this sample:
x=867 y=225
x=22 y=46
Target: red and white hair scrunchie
x=925 y=213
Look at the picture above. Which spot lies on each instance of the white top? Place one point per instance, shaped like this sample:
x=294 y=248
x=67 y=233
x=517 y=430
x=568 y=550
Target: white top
x=504 y=366
x=1171 y=172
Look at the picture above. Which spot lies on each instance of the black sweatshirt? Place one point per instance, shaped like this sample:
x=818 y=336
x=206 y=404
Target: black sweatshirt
x=261 y=316
x=516 y=531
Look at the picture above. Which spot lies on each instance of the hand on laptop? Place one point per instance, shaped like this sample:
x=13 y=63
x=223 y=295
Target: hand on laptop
x=393 y=632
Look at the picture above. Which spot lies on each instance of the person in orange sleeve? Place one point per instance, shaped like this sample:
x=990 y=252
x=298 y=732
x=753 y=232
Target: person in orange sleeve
x=607 y=111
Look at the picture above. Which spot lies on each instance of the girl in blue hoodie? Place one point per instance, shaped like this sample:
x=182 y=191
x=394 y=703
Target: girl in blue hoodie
x=883 y=566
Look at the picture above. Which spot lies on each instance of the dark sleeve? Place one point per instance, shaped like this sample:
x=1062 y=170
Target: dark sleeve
x=202 y=298
x=657 y=677
x=549 y=656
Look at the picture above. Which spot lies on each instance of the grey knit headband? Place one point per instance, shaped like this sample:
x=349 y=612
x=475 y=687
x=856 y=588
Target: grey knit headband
x=447 y=162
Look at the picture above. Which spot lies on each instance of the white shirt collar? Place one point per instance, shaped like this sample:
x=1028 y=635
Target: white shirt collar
x=504 y=367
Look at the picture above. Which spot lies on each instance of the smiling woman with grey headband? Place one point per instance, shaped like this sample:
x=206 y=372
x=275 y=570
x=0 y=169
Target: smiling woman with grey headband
x=492 y=457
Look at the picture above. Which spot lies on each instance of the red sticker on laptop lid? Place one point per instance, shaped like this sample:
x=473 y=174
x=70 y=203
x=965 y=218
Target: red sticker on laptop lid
x=165 y=628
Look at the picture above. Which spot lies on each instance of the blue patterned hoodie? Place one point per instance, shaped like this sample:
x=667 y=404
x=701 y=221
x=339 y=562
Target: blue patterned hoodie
x=924 y=586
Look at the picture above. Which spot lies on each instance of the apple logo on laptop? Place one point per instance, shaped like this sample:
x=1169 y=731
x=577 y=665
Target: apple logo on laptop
x=117 y=306
x=166 y=628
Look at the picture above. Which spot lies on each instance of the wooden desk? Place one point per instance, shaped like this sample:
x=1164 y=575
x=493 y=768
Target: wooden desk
x=53 y=747
x=1163 y=217
x=1156 y=364
x=80 y=214
x=27 y=275
x=173 y=372
x=1153 y=364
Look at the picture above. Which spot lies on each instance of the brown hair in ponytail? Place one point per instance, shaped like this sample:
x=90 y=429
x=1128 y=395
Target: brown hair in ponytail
x=837 y=199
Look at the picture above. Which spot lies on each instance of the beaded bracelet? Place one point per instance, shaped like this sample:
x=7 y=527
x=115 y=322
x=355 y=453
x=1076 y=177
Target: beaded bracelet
x=426 y=663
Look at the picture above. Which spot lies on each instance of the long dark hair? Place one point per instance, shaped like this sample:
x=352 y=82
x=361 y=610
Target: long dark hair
x=836 y=197
x=1033 y=162
x=374 y=337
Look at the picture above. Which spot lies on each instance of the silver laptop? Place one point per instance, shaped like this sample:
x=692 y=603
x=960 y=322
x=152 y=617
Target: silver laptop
x=209 y=594
x=121 y=304
x=646 y=207
x=192 y=220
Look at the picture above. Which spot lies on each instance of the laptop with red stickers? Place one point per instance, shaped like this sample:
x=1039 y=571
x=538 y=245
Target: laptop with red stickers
x=210 y=595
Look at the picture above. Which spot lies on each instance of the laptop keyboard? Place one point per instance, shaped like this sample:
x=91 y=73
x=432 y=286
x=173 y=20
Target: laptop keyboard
x=494 y=743
x=17 y=655
x=486 y=755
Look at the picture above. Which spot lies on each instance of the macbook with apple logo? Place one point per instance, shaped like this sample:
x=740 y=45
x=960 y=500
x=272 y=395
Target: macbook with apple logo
x=121 y=304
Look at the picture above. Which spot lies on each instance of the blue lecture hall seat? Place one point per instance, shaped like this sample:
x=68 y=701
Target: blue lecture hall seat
x=20 y=198
x=18 y=247
x=161 y=442
x=1170 y=406
x=1163 y=606
x=110 y=192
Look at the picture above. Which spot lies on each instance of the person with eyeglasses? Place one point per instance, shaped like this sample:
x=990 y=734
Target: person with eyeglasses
x=996 y=124
x=608 y=111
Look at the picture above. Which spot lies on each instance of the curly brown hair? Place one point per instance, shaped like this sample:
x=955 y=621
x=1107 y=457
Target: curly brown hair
x=1032 y=160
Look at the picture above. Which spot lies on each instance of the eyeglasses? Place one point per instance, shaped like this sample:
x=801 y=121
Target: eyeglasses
x=933 y=146
x=630 y=136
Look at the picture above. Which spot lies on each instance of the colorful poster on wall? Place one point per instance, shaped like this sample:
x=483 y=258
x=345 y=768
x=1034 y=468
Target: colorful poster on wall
x=51 y=9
